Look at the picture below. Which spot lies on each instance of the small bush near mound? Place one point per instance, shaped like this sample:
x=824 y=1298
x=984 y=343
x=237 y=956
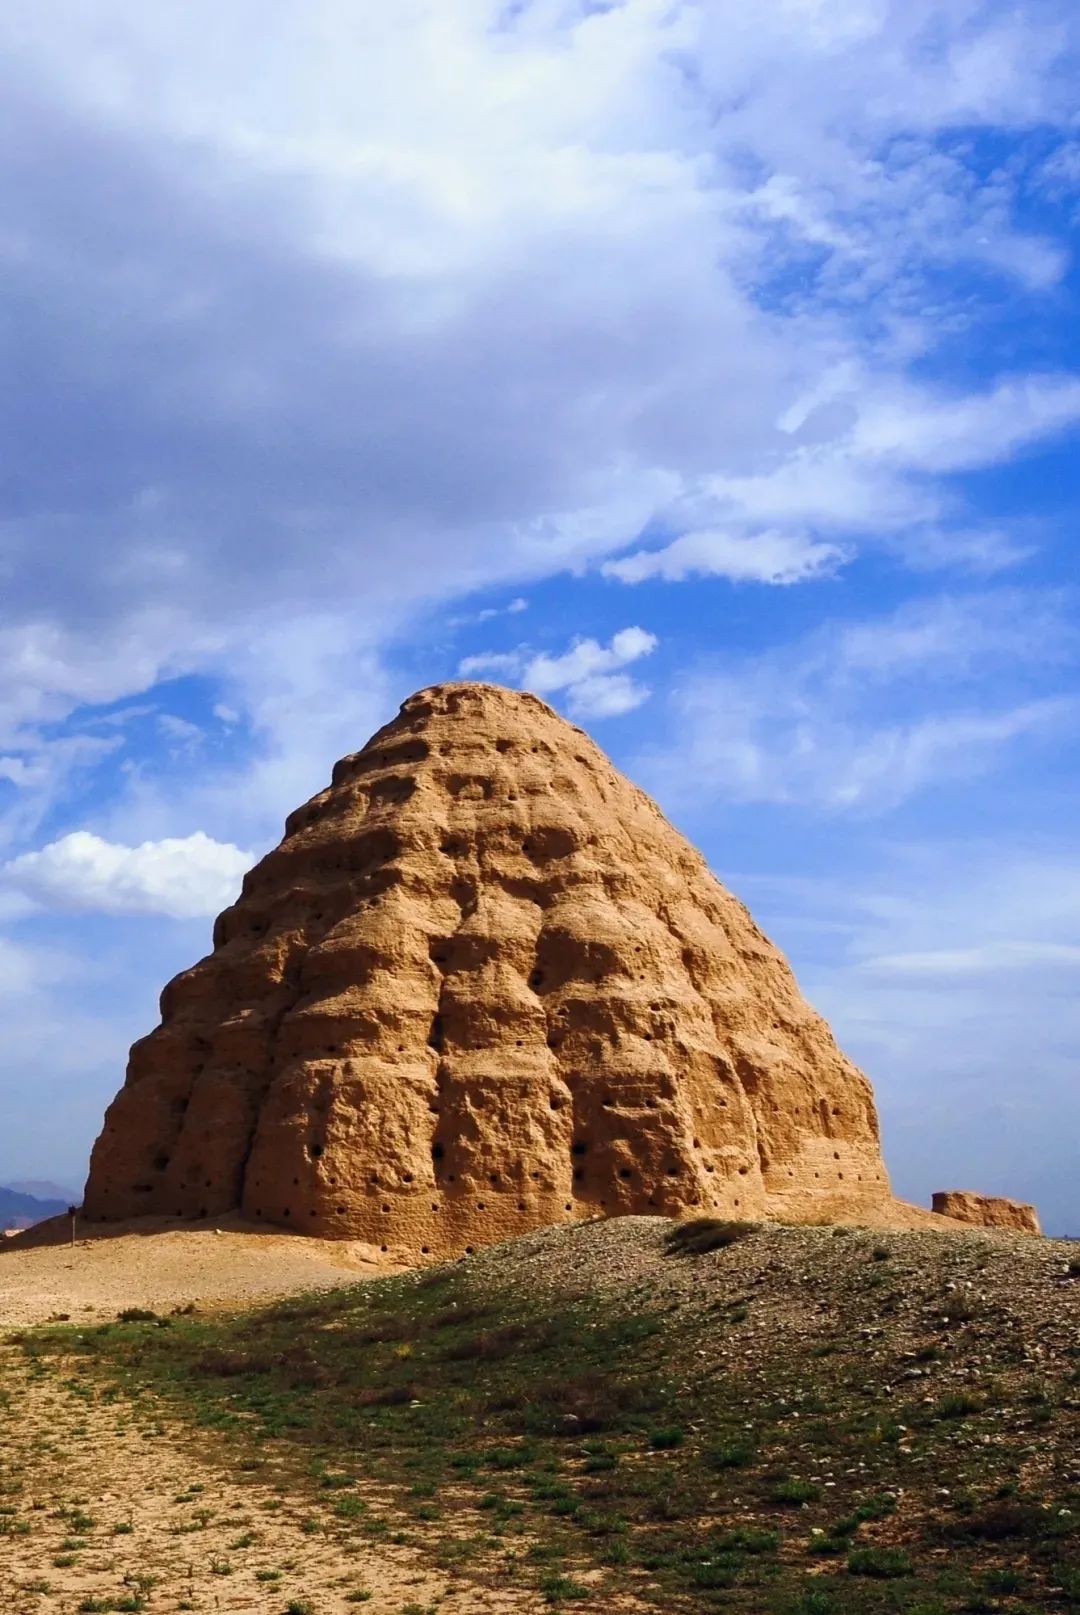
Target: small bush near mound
x=698 y=1235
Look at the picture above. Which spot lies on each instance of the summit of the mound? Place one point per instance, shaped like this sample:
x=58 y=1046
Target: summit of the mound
x=483 y=985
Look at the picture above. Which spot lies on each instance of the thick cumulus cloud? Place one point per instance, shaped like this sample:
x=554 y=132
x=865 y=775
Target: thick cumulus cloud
x=454 y=294
x=184 y=878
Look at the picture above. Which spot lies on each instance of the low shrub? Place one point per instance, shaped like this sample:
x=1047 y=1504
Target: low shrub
x=735 y=1456
x=698 y=1235
x=793 y=1493
x=885 y=1564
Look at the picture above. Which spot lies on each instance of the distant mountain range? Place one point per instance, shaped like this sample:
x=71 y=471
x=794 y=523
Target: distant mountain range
x=46 y=1189
x=21 y=1210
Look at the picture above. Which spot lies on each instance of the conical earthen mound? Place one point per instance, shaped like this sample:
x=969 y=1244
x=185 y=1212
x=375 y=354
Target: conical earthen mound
x=483 y=985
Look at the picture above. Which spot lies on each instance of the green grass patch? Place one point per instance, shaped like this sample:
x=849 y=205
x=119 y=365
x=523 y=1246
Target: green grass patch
x=588 y=1451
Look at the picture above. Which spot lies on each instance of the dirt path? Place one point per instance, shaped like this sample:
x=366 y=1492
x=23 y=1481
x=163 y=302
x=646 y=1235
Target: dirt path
x=104 y=1509
x=163 y=1265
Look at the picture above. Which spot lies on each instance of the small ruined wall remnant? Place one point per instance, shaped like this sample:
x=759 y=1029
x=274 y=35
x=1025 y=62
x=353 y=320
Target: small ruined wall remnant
x=986 y=1210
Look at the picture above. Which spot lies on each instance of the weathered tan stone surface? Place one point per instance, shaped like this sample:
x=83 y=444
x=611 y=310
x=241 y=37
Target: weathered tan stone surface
x=986 y=1210
x=482 y=985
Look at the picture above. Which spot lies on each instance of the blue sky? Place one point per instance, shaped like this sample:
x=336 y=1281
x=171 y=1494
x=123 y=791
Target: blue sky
x=713 y=370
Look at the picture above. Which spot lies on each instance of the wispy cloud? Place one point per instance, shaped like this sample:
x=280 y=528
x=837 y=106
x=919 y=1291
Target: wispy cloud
x=861 y=715
x=766 y=557
x=945 y=965
x=949 y=970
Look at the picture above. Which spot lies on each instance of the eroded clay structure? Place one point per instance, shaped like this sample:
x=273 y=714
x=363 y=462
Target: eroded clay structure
x=986 y=1210
x=483 y=985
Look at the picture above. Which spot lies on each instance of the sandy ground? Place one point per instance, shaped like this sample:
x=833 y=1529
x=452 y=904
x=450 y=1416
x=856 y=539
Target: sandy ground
x=164 y=1265
x=101 y=1507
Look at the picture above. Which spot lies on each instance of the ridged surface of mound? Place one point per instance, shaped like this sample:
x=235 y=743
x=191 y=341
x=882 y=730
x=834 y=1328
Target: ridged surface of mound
x=482 y=985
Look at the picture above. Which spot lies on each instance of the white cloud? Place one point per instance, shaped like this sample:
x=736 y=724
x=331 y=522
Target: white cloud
x=452 y=295
x=605 y=695
x=862 y=715
x=684 y=290
x=921 y=432
x=764 y=557
x=183 y=878
x=589 y=673
x=586 y=658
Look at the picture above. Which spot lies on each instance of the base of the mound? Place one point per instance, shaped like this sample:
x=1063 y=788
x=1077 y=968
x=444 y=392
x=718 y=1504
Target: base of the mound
x=808 y=1210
